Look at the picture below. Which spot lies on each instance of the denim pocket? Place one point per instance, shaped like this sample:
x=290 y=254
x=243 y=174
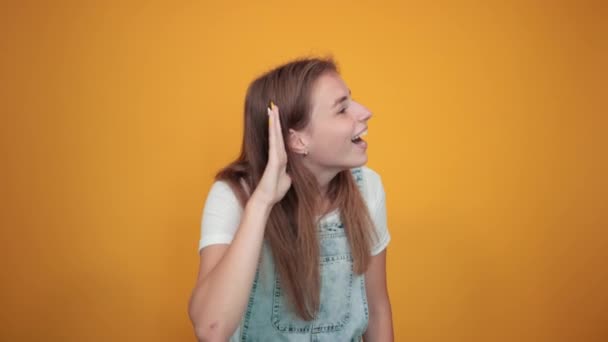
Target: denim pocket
x=336 y=271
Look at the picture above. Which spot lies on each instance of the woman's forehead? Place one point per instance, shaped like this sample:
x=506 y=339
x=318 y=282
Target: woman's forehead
x=328 y=90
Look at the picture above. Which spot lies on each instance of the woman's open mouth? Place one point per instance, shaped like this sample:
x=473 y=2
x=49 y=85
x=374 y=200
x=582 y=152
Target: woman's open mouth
x=358 y=140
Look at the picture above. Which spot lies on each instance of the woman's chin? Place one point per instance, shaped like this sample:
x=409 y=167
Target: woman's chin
x=361 y=161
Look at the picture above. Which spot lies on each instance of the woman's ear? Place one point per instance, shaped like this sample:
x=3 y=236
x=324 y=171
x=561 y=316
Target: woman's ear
x=297 y=142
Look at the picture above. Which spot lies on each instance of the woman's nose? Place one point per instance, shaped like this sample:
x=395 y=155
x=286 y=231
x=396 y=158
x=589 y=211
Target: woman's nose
x=365 y=114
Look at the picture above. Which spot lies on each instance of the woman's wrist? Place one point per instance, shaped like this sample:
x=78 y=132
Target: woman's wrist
x=259 y=203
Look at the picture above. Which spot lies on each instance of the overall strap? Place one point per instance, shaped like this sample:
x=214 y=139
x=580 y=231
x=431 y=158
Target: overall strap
x=358 y=176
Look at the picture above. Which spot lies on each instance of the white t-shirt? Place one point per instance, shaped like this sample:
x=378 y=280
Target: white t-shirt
x=222 y=212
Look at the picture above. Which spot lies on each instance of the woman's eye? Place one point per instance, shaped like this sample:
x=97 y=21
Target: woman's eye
x=343 y=110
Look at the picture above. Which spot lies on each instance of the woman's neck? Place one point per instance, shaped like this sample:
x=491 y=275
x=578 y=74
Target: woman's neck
x=326 y=206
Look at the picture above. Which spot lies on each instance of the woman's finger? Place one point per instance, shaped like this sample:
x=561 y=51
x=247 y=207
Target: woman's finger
x=279 y=133
x=271 y=134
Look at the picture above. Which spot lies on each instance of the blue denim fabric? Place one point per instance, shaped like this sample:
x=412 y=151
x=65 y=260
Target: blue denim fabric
x=343 y=313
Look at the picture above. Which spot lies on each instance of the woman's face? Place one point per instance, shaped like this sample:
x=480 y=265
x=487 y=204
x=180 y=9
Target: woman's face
x=336 y=120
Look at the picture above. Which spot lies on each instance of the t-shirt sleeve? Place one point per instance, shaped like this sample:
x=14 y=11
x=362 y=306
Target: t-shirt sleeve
x=221 y=216
x=377 y=208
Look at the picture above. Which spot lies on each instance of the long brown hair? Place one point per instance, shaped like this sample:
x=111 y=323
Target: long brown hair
x=291 y=230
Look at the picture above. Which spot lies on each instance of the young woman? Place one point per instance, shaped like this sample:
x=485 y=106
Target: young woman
x=294 y=235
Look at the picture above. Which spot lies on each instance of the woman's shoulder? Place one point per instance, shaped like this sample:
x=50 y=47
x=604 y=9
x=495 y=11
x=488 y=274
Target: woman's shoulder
x=225 y=190
x=370 y=176
x=370 y=183
x=221 y=190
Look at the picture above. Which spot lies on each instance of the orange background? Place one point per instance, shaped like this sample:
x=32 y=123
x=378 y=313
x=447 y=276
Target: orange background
x=489 y=130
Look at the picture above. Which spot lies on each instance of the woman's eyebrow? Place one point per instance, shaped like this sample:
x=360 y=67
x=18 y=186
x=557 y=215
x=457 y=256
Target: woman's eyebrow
x=341 y=99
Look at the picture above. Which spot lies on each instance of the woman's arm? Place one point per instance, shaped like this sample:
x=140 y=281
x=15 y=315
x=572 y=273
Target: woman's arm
x=225 y=277
x=380 y=326
x=226 y=272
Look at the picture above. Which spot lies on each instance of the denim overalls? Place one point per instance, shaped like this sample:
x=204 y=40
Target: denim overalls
x=343 y=312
